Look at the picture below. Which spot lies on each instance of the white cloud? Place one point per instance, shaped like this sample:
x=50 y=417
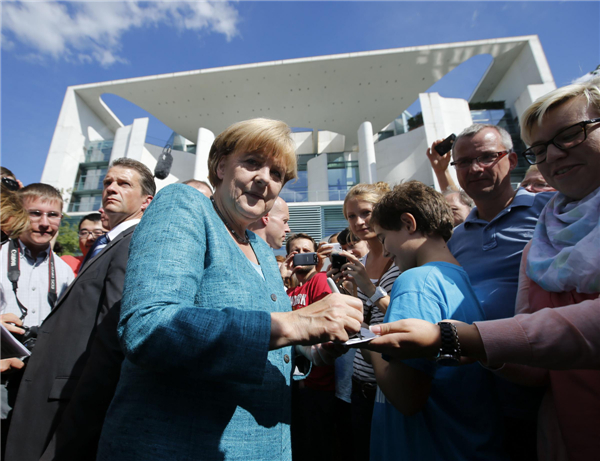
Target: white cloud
x=91 y=31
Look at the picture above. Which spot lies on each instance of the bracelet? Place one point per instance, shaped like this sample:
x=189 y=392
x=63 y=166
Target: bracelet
x=449 y=354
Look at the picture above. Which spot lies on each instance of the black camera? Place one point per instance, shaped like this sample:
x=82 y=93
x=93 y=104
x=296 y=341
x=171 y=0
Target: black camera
x=29 y=338
x=338 y=260
x=306 y=259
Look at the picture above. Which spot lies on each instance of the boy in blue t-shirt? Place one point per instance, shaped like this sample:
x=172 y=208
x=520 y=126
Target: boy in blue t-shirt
x=423 y=410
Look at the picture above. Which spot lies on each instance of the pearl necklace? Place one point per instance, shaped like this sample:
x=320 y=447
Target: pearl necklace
x=243 y=239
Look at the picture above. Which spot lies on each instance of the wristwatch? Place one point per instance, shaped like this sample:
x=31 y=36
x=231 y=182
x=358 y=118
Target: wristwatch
x=379 y=293
x=449 y=354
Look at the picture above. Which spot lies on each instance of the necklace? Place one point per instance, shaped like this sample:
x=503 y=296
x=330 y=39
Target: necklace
x=243 y=239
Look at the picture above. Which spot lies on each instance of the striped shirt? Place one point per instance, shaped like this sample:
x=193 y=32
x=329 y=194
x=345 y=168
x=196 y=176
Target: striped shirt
x=362 y=370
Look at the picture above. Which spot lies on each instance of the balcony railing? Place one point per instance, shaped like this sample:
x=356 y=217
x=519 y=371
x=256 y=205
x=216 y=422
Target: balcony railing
x=302 y=195
x=86 y=184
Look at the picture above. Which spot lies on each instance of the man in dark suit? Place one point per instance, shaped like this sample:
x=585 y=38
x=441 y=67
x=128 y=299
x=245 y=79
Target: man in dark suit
x=66 y=336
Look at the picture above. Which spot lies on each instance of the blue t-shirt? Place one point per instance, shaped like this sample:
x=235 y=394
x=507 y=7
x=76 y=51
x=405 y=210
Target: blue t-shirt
x=491 y=252
x=460 y=420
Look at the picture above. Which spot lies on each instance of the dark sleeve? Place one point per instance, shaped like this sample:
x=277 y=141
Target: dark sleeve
x=77 y=435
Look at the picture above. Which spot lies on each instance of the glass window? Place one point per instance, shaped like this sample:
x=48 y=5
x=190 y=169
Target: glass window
x=86 y=203
x=297 y=190
x=90 y=179
x=341 y=175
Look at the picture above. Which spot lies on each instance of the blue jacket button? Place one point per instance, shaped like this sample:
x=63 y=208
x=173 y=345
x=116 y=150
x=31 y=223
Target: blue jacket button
x=274 y=297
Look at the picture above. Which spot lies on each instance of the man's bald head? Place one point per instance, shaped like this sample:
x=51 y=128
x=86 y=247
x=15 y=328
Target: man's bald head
x=273 y=227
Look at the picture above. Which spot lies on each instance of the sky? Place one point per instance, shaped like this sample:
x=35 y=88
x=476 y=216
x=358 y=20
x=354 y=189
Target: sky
x=48 y=46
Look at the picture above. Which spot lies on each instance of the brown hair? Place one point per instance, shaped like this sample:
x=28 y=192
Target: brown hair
x=431 y=212
x=371 y=193
x=42 y=191
x=14 y=219
x=259 y=135
x=146 y=178
x=298 y=236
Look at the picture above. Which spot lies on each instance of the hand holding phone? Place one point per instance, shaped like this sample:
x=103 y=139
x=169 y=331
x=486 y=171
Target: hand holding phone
x=444 y=147
x=306 y=259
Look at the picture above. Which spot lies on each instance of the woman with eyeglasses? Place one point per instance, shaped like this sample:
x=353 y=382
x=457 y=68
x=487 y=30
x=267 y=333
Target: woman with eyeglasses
x=557 y=329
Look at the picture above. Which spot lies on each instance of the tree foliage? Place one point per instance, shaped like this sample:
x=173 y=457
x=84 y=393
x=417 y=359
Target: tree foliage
x=68 y=238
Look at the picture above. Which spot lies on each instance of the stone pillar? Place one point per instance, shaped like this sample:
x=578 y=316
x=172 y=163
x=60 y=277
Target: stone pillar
x=203 y=144
x=367 y=165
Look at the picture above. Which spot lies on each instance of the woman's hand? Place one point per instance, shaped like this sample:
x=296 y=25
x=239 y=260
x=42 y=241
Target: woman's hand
x=406 y=339
x=11 y=322
x=334 y=318
x=356 y=272
x=323 y=252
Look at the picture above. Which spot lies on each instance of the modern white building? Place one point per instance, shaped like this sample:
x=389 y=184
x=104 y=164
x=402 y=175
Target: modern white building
x=348 y=112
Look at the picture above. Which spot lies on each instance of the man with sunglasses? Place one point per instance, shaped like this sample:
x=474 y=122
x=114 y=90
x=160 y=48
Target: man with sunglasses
x=90 y=228
x=489 y=245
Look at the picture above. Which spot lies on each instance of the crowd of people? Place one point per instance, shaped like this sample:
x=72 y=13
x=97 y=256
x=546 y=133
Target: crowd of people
x=459 y=325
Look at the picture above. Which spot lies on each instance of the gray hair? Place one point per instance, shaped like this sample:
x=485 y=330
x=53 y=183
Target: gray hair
x=462 y=195
x=472 y=130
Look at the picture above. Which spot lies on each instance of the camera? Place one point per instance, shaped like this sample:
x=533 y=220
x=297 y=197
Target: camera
x=306 y=259
x=338 y=260
x=29 y=338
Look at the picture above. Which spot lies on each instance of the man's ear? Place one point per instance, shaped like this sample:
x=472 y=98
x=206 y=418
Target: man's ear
x=265 y=219
x=146 y=202
x=514 y=160
x=409 y=221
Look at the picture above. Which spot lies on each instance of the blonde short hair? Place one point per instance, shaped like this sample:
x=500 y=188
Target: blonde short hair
x=371 y=193
x=535 y=113
x=270 y=137
x=14 y=219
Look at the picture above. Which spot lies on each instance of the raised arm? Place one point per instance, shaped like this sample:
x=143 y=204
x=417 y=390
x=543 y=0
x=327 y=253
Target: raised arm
x=439 y=164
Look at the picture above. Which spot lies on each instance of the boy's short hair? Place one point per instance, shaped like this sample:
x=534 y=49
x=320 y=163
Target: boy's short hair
x=42 y=191
x=299 y=235
x=431 y=212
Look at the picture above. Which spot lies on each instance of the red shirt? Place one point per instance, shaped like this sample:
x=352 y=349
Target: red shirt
x=74 y=262
x=320 y=378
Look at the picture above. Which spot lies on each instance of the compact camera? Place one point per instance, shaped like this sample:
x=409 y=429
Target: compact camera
x=306 y=259
x=29 y=338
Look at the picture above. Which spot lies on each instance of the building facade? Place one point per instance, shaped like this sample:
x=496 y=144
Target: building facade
x=348 y=114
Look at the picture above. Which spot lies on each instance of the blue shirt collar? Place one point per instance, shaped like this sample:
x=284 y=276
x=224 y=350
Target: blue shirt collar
x=523 y=198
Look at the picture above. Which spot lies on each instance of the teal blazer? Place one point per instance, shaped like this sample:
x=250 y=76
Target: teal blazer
x=198 y=381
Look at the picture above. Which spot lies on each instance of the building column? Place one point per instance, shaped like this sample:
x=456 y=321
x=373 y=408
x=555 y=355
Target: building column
x=367 y=165
x=203 y=145
x=318 y=183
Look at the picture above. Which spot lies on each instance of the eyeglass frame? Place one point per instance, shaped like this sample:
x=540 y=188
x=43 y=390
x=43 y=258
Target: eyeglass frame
x=91 y=232
x=500 y=155
x=42 y=213
x=583 y=126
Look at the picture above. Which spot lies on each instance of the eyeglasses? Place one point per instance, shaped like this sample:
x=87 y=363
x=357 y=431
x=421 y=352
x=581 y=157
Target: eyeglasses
x=36 y=215
x=483 y=160
x=96 y=233
x=566 y=139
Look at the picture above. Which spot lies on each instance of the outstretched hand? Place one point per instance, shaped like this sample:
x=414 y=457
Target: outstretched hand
x=406 y=339
x=336 y=317
x=11 y=322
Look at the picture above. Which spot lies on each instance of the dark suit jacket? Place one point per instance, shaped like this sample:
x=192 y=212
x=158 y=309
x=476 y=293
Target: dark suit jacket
x=63 y=347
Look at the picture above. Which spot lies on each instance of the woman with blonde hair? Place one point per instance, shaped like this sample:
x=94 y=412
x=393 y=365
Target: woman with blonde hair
x=206 y=326
x=373 y=275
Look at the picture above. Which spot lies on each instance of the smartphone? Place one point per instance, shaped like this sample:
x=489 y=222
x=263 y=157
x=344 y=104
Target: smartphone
x=445 y=146
x=305 y=259
x=338 y=260
x=336 y=246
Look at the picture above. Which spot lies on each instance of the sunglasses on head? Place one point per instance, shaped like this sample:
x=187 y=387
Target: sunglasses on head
x=10 y=184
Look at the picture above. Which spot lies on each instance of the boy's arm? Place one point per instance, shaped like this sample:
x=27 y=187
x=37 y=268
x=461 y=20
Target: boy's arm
x=405 y=387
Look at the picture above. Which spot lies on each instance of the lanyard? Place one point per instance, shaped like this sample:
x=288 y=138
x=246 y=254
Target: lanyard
x=14 y=271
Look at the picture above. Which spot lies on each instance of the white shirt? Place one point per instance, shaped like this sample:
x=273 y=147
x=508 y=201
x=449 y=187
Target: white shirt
x=32 y=285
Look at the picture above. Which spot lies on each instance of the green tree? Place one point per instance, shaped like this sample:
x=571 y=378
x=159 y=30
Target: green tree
x=69 y=239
